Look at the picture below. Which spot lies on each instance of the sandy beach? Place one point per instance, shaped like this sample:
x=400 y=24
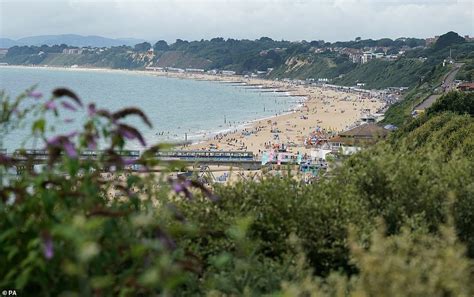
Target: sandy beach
x=320 y=108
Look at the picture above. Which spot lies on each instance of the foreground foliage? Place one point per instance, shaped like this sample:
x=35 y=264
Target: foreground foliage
x=394 y=220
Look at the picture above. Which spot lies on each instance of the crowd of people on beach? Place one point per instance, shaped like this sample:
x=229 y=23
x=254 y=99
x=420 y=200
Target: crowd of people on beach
x=301 y=128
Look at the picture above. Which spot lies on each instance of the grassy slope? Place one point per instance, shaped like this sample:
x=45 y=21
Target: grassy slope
x=379 y=74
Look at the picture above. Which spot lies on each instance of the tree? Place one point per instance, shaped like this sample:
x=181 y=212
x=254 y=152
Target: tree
x=161 y=45
x=142 y=47
x=448 y=39
x=265 y=39
x=385 y=42
x=217 y=39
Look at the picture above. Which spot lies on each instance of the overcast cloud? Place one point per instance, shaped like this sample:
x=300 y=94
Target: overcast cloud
x=279 y=19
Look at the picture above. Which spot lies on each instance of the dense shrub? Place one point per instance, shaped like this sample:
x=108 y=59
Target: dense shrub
x=73 y=229
x=412 y=263
x=458 y=102
x=318 y=215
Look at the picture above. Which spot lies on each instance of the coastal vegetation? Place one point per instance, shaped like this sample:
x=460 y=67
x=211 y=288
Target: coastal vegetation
x=393 y=220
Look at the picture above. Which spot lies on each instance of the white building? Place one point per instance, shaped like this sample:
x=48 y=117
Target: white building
x=72 y=51
x=154 y=68
x=173 y=69
x=366 y=57
x=195 y=70
x=227 y=72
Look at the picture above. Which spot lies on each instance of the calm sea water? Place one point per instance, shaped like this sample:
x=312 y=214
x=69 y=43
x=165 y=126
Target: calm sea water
x=174 y=106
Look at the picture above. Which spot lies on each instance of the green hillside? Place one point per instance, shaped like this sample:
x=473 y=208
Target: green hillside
x=378 y=74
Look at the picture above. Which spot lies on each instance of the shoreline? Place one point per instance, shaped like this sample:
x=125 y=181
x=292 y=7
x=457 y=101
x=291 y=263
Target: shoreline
x=198 y=137
x=322 y=109
x=318 y=108
x=241 y=127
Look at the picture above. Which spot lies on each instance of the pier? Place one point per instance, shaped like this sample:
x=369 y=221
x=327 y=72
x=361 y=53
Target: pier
x=28 y=158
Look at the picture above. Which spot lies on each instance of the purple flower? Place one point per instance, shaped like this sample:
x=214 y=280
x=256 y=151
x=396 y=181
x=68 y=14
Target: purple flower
x=50 y=105
x=64 y=142
x=48 y=249
x=91 y=110
x=208 y=193
x=68 y=120
x=177 y=187
x=4 y=159
x=182 y=187
x=128 y=161
x=68 y=105
x=70 y=149
x=56 y=140
x=127 y=134
x=35 y=94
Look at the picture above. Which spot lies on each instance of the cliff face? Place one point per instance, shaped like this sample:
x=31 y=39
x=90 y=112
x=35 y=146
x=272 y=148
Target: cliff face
x=315 y=66
x=117 y=60
x=180 y=59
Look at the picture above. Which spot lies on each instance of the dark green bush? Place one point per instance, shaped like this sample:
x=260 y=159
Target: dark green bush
x=75 y=230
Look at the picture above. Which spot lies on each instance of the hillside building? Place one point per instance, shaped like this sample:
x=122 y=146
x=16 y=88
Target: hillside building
x=227 y=72
x=150 y=68
x=366 y=57
x=431 y=40
x=466 y=87
x=469 y=38
x=194 y=70
x=173 y=69
x=72 y=51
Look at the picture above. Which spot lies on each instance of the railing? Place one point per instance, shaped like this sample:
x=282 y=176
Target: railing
x=24 y=154
x=35 y=154
x=205 y=155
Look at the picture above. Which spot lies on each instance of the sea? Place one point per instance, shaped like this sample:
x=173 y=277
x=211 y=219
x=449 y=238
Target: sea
x=179 y=109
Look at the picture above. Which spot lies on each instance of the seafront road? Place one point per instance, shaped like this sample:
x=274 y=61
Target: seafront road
x=447 y=86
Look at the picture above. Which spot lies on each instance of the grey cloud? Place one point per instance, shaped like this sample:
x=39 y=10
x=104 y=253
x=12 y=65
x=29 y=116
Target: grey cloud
x=279 y=19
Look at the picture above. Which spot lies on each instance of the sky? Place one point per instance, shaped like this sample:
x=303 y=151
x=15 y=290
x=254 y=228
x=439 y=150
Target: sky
x=294 y=20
